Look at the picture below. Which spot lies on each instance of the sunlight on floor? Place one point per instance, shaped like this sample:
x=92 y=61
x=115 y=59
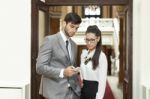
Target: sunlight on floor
x=117 y=91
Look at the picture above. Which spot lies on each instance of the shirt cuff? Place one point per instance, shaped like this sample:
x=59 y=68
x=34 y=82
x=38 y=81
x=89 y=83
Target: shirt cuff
x=61 y=75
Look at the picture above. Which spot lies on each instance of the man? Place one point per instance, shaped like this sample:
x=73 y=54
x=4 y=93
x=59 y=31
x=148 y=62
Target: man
x=56 y=62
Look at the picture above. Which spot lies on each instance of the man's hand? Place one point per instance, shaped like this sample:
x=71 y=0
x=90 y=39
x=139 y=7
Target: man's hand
x=69 y=71
x=77 y=69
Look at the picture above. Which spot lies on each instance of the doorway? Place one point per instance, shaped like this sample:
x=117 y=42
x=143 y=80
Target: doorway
x=125 y=47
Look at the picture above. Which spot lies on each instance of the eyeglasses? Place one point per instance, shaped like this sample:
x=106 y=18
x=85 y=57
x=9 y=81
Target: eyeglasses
x=90 y=40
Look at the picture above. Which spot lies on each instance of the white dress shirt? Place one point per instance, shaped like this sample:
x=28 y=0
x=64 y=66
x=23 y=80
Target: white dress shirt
x=61 y=75
x=99 y=74
x=69 y=44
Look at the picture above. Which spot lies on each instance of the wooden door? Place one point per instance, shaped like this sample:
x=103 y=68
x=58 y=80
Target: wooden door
x=36 y=4
x=54 y=25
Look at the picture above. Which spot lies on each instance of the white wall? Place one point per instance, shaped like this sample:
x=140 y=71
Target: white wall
x=141 y=48
x=15 y=41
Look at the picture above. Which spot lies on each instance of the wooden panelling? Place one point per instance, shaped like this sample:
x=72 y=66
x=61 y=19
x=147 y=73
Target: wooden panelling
x=54 y=25
x=125 y=89
x=80 y=48
x=86 y=2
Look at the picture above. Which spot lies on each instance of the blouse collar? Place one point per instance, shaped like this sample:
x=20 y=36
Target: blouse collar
x=90 y=53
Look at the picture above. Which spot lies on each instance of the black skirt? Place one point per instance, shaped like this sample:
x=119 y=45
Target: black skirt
x=89 y=89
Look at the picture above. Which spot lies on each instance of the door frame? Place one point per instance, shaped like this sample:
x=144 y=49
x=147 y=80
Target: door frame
x=36 y=4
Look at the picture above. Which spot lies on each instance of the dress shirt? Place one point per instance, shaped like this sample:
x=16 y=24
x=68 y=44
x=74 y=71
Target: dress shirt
x=69 y=49
x=99 y=74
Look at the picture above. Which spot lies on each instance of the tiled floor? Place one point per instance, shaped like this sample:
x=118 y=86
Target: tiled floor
x=117 y=91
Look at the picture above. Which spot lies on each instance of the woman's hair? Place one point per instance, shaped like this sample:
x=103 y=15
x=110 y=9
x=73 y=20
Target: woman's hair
x=73 y=18
x=95 y=30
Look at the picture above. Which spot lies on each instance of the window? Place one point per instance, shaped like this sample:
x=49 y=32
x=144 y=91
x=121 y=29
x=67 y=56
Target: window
x=92 y=11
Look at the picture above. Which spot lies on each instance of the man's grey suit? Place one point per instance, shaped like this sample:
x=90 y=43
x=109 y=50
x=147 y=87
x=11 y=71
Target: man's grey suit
x=53 y=57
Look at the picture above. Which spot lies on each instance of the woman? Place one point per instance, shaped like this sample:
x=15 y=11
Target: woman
x=93 y=66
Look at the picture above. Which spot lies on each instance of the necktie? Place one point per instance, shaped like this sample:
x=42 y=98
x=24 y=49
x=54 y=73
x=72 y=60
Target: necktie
x=67 y=42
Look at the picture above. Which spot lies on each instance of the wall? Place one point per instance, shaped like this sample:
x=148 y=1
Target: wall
x=41 y=27
x=15 y=41
x=141 y=37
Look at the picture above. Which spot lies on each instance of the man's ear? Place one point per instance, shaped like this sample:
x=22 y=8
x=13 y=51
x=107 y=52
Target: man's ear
x=64 y=23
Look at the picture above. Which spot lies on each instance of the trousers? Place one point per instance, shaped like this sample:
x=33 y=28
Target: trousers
x=69 y=95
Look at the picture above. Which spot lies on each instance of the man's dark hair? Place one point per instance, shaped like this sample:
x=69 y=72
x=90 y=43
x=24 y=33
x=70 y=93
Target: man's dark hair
x=73 y=18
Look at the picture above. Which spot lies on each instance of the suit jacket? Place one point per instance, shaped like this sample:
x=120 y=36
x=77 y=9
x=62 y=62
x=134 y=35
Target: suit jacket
x=52 y=58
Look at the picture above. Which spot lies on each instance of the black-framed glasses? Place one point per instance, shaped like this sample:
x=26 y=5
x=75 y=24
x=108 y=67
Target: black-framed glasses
x=90 y=40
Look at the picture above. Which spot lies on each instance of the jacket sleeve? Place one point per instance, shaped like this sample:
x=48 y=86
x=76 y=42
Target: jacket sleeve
x=44 y=57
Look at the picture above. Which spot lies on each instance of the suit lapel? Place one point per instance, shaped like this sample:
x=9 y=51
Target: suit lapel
x=72 y=51
x=62 y=44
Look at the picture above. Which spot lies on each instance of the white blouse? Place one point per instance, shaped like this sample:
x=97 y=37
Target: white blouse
x=99 y=74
